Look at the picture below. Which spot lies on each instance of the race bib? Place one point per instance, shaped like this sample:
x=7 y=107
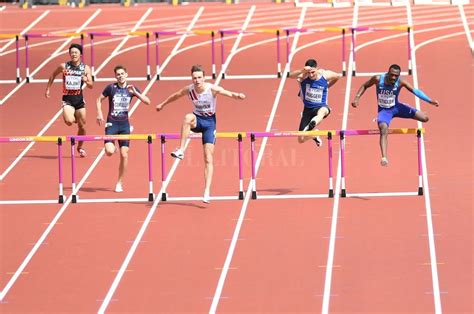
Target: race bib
x=73 y=82
x=314 y=95
x=386 y=100
x=121 y=103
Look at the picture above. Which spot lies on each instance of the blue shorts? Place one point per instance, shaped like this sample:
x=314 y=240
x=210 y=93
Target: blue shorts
x=398 y=111
x=206 y=126
x=118 y=127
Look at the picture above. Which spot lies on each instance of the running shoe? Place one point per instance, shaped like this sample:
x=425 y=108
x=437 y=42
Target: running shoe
x=178 y=153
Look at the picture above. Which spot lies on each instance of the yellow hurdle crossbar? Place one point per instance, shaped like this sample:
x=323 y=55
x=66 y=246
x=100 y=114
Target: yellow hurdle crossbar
x=203 y=31
x=138 y=33
x=265 y=30
x=9 y=35
x=12 y=139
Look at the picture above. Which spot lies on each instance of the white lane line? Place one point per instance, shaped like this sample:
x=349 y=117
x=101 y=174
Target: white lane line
x=426 y=189
x=53 y=222
x=24 y=31
x=335 y=208
x=466 y=27
x=243 y=210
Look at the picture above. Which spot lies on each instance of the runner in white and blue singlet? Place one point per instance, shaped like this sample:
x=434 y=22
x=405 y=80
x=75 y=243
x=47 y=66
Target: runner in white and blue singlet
x=202 y=120
x=120 y=95
x=314 y=83
x=388 y=86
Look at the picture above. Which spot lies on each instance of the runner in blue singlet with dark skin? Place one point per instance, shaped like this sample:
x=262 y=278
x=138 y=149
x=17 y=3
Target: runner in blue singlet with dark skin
x=388 y=87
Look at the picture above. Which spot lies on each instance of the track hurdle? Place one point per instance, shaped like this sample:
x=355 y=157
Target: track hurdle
x=17 y=56
x=354 y=30
x=277 y=33
x=57 y=139
x=148 y=137
x=175 y=33
x=344 y=133
x=254 y=135
x=288 y=31
x=29 y=36
x=235 y=135
x=93 y=35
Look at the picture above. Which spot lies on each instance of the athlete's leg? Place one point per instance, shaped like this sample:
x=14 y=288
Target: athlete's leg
x=383 y=127
x=421 y=116
x=80 y=115
x=123 y=163
x=188 y=123
x=68 y=115
x=208 y=167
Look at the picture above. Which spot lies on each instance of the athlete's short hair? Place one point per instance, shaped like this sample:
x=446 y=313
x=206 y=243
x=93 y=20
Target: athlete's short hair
x=197 y=68
x=119 y=67
x=311 y=63
x=395 y=67
x=77 y=46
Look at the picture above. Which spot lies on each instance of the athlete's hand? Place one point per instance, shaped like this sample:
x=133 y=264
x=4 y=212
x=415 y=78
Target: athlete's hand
x=355 y=103
x=100 y=118
x=159 y=107
x=241 y=96
x=435 y=103
x=46 y=93
x=131 y=89
x=84 y=78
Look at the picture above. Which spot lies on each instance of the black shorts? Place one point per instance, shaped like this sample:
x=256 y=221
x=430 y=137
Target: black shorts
x=308 y=114
x=75 y=101
x=116 y=128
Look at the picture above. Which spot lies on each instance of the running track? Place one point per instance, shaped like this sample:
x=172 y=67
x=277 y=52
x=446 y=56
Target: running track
x=355 y=255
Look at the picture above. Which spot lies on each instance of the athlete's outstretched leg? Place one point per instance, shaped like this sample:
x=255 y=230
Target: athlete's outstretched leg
x=383 y=127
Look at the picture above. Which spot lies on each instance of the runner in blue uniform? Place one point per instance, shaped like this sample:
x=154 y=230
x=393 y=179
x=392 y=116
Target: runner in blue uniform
x=314 y=83
x=388 y=86
x=120 y=95
x=202 y=120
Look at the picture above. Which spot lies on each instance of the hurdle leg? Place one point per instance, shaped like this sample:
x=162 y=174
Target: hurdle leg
x=163 y=169
x=278 y=54
x=343 y=178
x=331 y=190
x=157 y=55
x=148 y=69
x=17 y=55
x=222 y=53
x=73 y=169
x=150 y=170
x=409 y=51
x=60 y=166
x=420 y=168
x=92 y=56
x=252 y=158
x=213 y=55
x=27 y=63
x=343 y=52
x=353 y=53
x=241 y=177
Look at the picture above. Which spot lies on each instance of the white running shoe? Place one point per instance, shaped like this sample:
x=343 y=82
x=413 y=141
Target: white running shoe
x=119 y=188
x=318 y=140
x=178 y=153
x=206 y=198
x=384 y=162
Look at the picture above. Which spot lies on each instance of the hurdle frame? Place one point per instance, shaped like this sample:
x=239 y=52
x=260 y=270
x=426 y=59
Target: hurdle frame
x=288 y=31
x=277 y=33
x=344 y=133
x=17 y=57
x=327 y=133
x=175 y=33
x=146 y=34
x=28 y=37
x=148 y=137
x=59 y=140
x=236 y=135
x=375 y=29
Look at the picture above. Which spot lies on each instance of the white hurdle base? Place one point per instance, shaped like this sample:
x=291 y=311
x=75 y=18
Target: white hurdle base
x=292 y=196
x=382 y=194
x=21 y=202
x=199 y=198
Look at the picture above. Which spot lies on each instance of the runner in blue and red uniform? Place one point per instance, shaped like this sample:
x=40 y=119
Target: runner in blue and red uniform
x=120 y=95
x=202 y=120
x=314 y=83
x=75 y=73
x=388 y=86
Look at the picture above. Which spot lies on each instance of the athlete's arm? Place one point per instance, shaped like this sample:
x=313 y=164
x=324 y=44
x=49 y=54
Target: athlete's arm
x=144 y=99
x=221 y=91
x=87 y=78
x=418 y=93
x=373 y=80
x=300 y=73
x=172 y=98
x=331 y=77
x=56 y=72
x=100 y=116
